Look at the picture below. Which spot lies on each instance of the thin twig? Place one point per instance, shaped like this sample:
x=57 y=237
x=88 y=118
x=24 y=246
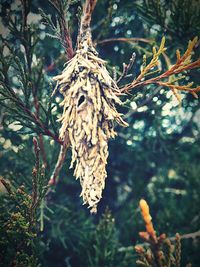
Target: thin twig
x=60 y=161
x=87 y=14
x=6 y=184
x=123 y=39
x=185 y=236
x=41 y=141
x=36 y=120
x=33 y=116
x=42 y=149
x=35 y=173
x=25 y=35
x=183 y=63
x=126 y=68
x=65 y=31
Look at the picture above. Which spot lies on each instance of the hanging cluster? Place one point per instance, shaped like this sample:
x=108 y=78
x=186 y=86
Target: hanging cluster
x=89 y=113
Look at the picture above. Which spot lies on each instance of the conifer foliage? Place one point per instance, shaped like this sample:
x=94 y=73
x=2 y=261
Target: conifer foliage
x=69 y=101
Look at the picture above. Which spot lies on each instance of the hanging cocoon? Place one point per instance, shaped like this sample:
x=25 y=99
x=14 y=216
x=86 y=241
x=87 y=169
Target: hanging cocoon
x=89 y=112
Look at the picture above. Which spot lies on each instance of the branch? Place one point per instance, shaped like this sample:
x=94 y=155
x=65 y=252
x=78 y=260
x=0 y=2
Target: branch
x=87 y=14
x=126 y=68
x=7 y=185
x=37 y=114
x=183 y=63
x=38 y=122
x=123 y=39
x=35 y=174
x=185 y=236
x=25 y=32
x=60 y=161
x=17 y=101
x=64 y=27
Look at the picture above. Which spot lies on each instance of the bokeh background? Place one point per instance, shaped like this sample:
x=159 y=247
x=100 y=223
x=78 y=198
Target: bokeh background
x=155 y=158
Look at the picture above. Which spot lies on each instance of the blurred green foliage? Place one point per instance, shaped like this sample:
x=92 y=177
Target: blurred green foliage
x=155 y=158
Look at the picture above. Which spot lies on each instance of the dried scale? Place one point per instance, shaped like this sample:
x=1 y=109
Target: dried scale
x=89 y=113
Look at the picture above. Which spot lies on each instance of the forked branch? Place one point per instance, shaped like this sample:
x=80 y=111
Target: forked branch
x=183 y=64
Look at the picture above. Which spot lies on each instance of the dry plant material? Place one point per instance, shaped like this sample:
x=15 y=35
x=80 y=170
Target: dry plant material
x=89 y=113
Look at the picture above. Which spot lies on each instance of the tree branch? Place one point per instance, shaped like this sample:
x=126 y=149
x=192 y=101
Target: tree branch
x=65 y=31
x=38 y=122
x=60 y=161
x=127 y=67
x=123 y=39
x=87 y=14
x=183 y=63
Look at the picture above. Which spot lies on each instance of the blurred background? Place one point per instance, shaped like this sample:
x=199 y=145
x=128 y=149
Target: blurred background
x=155 y=158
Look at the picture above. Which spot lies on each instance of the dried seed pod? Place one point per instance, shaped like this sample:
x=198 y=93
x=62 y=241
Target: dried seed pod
x=90 y=95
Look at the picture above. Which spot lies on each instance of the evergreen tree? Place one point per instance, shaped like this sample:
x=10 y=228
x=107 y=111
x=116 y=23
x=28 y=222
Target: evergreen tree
x=152 y=61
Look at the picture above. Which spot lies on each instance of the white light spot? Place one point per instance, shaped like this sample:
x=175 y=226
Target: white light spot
x=133 y=105
x=115 y=6
x=129 y=142
x=116 y=48
x=142 y=109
